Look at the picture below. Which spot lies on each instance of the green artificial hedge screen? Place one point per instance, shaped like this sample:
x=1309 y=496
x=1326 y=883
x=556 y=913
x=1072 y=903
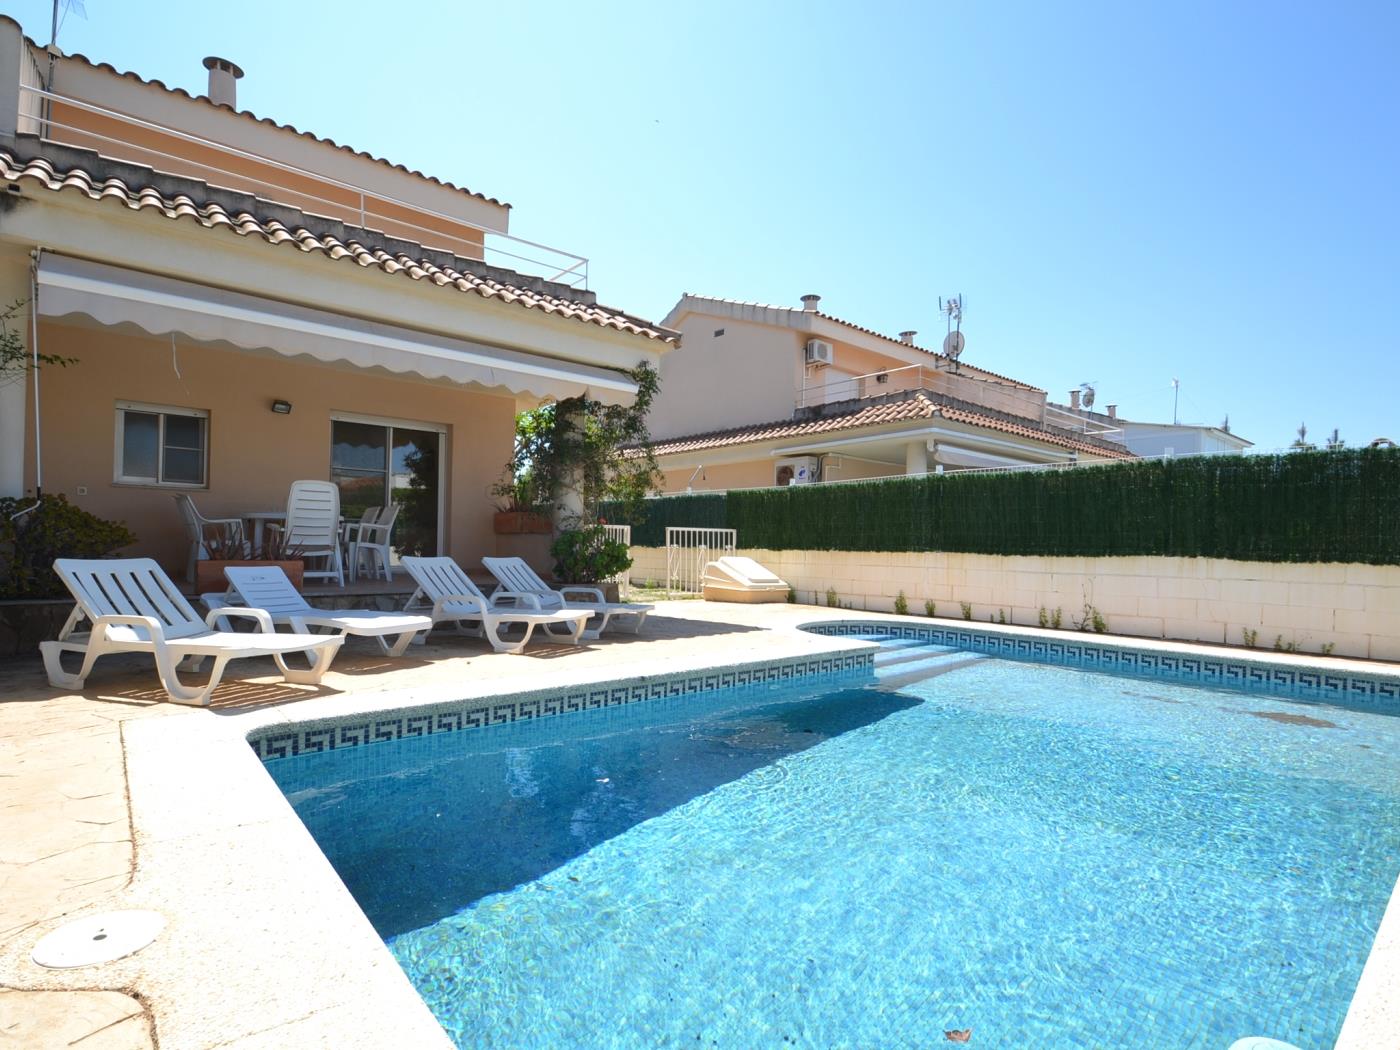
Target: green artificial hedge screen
x=1326 y=506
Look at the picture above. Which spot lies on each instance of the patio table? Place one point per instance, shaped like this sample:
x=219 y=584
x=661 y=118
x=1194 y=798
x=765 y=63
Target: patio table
x=259 y=519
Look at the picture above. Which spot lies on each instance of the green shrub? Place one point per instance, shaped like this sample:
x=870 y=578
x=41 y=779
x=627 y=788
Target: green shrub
x=833 y=600
x=901 y=604
x=966 y=610
x=930 y=607
x=587 y=555
x=55 y=529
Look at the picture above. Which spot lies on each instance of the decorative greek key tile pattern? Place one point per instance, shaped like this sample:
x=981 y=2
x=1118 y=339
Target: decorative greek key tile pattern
x=1375 y=692
x=276 y=742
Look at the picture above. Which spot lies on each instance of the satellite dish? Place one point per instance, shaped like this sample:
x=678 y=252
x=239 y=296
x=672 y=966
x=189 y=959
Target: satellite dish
x=953 y=344
x=1088 y=396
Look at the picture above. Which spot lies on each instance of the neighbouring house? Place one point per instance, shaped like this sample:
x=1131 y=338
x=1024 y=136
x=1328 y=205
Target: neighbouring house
x=767 y=395
x=251 y=305
x=1151 y=440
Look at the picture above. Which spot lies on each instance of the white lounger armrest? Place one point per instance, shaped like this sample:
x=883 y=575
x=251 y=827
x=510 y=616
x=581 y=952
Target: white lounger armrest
x=449 y=599
x=263 y=618
x=595 y=592
x=150 y=623
x=530 y=601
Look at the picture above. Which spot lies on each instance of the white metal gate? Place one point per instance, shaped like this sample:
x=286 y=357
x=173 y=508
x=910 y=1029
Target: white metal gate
x=623 y=534
x=687 y=552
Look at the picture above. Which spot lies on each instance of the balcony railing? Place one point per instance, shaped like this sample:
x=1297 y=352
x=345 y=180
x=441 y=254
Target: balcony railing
x=999 y=397
x=169 y=150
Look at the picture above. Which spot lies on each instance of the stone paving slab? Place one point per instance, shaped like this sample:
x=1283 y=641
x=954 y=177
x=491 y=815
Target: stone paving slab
x=65 y=1020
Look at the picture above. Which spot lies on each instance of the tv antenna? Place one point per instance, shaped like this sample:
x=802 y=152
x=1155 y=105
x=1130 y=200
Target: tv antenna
x=60 y=14
x=954 y=342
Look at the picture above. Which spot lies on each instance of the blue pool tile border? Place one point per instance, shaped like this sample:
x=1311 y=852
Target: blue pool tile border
x=282 y=741
x=1379 y=692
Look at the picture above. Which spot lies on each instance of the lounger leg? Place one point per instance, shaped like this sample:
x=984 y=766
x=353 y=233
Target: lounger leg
x=401 y=643
x=53 y=666
x=492 y=630
x=324 y=654
x=637 y=620
x=185 y=694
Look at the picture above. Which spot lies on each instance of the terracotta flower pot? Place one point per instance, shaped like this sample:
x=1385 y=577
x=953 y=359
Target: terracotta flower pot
x=522 y=522
x=209 y=574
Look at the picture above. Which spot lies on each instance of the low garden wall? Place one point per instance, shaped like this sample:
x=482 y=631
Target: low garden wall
x=1353 y=609
x=1299 y=551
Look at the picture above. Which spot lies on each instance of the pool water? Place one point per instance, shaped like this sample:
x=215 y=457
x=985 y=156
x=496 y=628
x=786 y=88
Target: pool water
x=1048 y=857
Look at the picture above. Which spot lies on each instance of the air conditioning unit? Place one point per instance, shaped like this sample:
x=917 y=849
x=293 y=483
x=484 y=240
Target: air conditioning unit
x=800 y=470
x=820 y=352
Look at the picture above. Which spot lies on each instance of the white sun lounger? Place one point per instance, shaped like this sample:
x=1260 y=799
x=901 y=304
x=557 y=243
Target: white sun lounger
x=516 y=576
x=735 y=579
x=133 y=607
x=268 y=588
x=455 y=599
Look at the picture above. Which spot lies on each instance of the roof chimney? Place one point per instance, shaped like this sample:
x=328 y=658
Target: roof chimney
x=908 y=337
x=223 y=81
x=1074 y=400
x=809 y=303
x=1112 y=411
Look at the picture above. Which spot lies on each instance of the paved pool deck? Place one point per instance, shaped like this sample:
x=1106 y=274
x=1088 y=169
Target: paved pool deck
x=115 y=798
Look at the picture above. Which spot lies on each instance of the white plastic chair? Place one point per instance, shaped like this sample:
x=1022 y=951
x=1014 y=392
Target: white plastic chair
x=267 y=588
x=200 y=530
x=370 y=535
x=135 y=608
x=312 y=527
x=455 y=599
x=516 y=575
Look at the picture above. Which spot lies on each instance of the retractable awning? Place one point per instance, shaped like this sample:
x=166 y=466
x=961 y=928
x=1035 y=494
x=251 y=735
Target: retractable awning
x=111 y=295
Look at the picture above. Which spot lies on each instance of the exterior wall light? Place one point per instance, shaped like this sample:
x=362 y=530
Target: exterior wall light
x=282 y=408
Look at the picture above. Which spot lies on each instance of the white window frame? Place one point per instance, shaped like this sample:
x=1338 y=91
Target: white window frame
x=161 y=411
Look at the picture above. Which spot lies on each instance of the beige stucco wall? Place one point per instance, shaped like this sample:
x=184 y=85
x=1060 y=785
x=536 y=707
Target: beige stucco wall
x=761 y=472
x=254 y=455
x=76 y=79
x=748 y=375
x=1355 y=608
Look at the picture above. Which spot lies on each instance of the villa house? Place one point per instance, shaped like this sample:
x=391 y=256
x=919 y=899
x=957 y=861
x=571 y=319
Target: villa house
x=1161 y=439
x=767 y=395
x=249 y=305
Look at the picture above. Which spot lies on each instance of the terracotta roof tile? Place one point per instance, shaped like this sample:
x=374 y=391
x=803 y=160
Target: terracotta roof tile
x=214 y=216
x=920 y=406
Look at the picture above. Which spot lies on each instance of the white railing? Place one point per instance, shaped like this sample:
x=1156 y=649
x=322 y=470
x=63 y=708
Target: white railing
x=622 y=534
x=357 y=205
x=987 y=393
x=689 y=550
x=1063 y=420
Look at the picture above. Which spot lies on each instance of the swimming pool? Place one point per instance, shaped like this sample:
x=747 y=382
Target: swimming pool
x=1045 y=856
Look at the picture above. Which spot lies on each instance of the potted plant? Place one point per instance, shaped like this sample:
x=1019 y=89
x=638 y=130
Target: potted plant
x=588 y=556
x=225 y=550
x=517 y=511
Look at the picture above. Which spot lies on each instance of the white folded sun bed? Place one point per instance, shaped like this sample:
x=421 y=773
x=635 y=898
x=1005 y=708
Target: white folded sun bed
x=134 y=607
x=735 y=579
x=455 y=599
x=268 y=588
x=517 y=577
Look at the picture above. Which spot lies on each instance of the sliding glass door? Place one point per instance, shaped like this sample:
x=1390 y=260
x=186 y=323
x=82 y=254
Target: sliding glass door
x=375 y=463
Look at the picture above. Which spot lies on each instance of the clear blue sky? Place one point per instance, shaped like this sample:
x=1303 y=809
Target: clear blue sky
x=1124 y=193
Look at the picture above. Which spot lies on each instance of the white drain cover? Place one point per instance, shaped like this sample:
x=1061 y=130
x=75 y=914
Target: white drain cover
x=1259 y=1042
x=97 y=939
